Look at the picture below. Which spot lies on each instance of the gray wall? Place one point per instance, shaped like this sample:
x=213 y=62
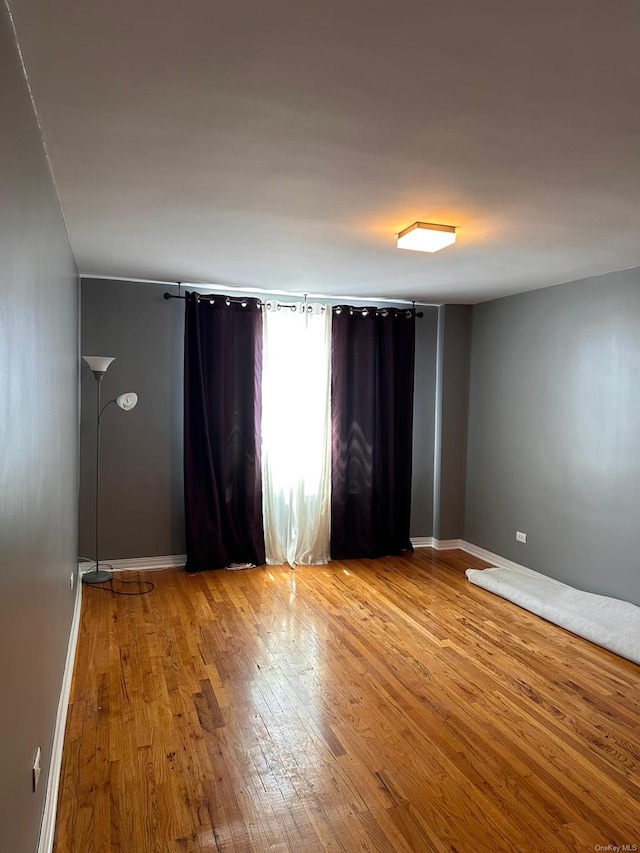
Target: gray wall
x=141 y=477
x=38 y=453
x=452 y=403
x=142 y=492
x=554 y=431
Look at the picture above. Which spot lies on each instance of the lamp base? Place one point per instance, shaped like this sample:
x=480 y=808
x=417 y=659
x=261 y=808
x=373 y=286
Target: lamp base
x=96 y=577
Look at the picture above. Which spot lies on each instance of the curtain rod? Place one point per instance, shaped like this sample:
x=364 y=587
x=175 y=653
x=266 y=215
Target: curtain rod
x=239 y=300
x=257 y=290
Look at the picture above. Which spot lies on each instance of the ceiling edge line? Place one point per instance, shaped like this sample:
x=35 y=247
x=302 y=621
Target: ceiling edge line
x=236 y=289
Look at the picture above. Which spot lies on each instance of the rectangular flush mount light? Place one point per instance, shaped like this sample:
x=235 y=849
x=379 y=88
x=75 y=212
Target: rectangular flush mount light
x=425 y=237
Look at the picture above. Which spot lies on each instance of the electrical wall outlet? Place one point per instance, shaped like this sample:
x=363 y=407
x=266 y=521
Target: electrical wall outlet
x=35 y=771
x=521 y=537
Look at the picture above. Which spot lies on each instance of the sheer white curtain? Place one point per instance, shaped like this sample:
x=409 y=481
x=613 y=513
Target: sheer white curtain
x=296 y=433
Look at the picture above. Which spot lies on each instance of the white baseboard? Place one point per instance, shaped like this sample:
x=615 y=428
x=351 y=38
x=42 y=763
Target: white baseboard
x=422 y=541
x=438 y=544
x=475 y=550
x=140 y=564
x=48 y=825
x=448 y=544
x=497 y=560
x=502 y=562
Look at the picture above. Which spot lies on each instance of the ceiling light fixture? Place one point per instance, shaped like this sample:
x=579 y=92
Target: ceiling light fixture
x=425 y=237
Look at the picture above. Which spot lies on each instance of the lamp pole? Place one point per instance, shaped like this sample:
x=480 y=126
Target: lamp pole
x=97 y=576
x=103 y=576
x=99 y=365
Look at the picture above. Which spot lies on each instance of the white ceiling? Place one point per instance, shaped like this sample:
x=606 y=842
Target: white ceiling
x=283 y=143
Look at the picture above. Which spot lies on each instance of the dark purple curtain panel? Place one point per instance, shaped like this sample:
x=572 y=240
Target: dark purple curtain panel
x=222 y=470
x=372 y=363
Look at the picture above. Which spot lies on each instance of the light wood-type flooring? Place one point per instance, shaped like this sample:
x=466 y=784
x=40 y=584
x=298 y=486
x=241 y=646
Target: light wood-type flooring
x=383 y=705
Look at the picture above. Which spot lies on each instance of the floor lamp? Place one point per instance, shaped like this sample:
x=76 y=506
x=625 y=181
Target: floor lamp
x=99 y=366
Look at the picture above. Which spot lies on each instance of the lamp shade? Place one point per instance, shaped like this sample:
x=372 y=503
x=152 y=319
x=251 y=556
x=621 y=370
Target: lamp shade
x=426 y=237
x=127 y=401
x=98 y=363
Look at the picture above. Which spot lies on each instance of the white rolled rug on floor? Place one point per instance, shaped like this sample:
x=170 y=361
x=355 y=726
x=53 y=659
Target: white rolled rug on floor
x=608 y=622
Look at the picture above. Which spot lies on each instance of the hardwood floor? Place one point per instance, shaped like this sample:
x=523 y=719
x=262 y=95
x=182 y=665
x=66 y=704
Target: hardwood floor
x=381 y=705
